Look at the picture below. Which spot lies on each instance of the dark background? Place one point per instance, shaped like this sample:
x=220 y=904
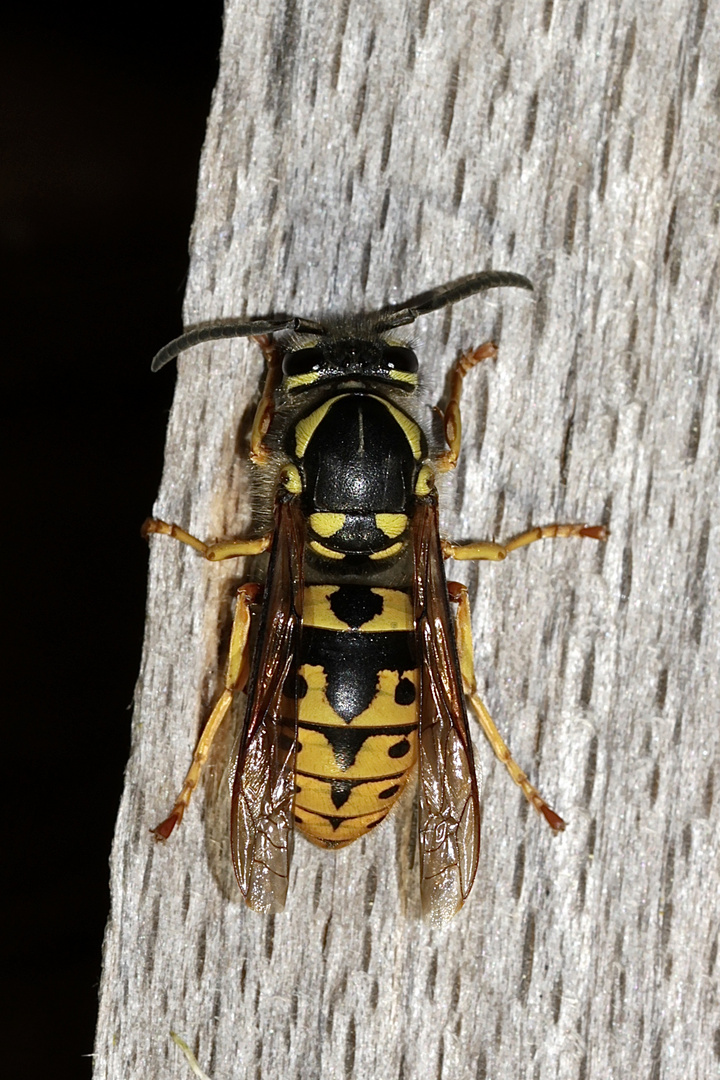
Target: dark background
x=101 y=128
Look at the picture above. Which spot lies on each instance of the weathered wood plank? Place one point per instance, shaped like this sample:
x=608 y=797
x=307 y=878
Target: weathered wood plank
x=357 y=153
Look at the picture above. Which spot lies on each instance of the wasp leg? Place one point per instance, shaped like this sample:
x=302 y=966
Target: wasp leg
x=451 y=417
x=224 y=549
x=463 y=633
x=236 y=675
x=259 y=453
x=487 y=549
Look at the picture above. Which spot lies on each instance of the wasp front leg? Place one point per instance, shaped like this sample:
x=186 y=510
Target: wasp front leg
x=265 y=411
x=463 y=636
x=236 y=676
x=451 y=417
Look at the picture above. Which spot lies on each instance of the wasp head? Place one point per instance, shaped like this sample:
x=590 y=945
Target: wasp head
x=340 y=358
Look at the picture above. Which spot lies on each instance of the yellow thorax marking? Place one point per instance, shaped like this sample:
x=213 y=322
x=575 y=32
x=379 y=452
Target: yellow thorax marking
x=425 y=482
x=410 y=428
x=326 y=552
x=391 y=524
x=326 y=524
x=305 y=428
x=388 y=552
x=290 y=477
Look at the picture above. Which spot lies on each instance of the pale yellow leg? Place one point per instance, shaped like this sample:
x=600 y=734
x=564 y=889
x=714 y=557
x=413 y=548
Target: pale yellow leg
x=224 y=549
x=265 y=411
x=451 y=417
x=463 y=631
x=235 y=678
x=487 y=549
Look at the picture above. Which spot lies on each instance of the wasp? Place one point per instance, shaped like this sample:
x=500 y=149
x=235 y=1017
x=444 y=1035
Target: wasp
x=362 y=663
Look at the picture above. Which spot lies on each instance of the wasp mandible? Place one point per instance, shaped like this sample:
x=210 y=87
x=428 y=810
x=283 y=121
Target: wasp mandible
x=363 y=659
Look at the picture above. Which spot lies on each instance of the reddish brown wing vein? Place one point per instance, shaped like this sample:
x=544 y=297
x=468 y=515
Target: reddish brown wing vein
x=264 y=784
x=449 y=819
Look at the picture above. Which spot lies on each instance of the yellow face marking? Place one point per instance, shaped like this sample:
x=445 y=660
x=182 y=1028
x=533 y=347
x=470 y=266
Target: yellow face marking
x=387 y=552
x=391 y=524
x=306 y=427
x=326 y=524
x=290 y=477
x=412 y=431
x=425 y=483
x=383 y=711
x=404 y=376
x=293 y=381
x=327 y=553
x=396 y=614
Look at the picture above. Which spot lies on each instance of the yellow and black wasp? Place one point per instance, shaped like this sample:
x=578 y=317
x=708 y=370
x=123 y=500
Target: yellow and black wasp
x=363 y=656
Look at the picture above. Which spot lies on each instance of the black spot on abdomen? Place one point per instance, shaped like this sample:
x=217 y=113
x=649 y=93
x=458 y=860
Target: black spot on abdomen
x=340 y=792
x=355 y=605
x=404 y=692
x=352 y=662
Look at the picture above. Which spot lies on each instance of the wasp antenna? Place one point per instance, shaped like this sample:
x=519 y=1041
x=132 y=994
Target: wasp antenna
x=444 y=295
x=218 y=331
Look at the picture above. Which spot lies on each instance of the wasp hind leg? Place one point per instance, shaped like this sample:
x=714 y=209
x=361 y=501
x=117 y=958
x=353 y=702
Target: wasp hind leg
x=236 y=677
x=463 y=631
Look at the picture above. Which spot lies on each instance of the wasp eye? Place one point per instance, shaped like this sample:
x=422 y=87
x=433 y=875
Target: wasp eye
x=302 y=361
x=400 y=358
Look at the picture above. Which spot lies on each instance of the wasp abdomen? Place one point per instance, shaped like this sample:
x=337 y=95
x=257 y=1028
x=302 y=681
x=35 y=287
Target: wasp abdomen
x=357 y=688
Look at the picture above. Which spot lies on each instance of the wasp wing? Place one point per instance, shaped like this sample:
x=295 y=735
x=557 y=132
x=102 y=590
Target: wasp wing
x=449 y=819
x=264 y=783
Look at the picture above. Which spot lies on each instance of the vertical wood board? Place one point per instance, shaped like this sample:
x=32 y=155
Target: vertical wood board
x=357 y=154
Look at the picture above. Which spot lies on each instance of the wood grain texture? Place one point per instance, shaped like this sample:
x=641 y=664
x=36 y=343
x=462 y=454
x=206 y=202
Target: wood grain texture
x=356 y=154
